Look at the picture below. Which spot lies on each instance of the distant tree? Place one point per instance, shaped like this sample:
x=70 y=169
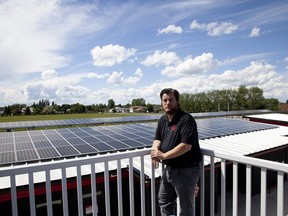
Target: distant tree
x=65 y=107
x=78 y=108
x=272 y=104
x=255 y=99
x=27 y=111
x=150 y=108
x=16 y=111
x=111 y=104
x=287 y=101
x=7 y=111
x=241 y=98
x=48 y=110
x=127 y=105
x=138 y=102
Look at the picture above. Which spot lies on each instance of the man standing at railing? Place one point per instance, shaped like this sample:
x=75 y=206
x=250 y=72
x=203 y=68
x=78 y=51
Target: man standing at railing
x=176 y=144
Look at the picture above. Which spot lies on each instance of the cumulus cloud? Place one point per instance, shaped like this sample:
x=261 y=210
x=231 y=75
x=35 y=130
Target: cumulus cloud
x=160 y=58
x=215 y=28
x=170 y=29
x=48 y=74
x=117 y=78
x=110 y=55
x=286 y=59
x=93 y=75
x=34 y=33
x=198 y=65
x=54 y=87
x=255 y=32
x=258 y=74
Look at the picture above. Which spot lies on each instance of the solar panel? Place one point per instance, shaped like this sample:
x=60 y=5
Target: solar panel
x=80 y=121
x=28 y=146
x=99 y=121
x=47 y=153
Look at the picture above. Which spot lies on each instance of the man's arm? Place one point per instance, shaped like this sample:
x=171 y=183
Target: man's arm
x=178 y=150
x=155 y=146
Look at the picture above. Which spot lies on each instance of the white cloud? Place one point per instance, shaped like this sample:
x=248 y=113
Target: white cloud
x=258 y=74
x=48 y=74
x=70 y=91
x=160 y=58
x=33 y=33
x=117 y=78
x=198 y=65
x=93 y=75
x=215 y=28
x=170 y=29
x=139 y=73
x=255 y=32
x=110 y=55
x=286 y=59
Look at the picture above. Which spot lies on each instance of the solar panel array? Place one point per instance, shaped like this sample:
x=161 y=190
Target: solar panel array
x=96 y=121
x=41 y=145
x=80 y=121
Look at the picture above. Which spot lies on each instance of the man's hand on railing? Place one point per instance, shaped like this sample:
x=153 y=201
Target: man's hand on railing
x=196 y=191
x=155 y=163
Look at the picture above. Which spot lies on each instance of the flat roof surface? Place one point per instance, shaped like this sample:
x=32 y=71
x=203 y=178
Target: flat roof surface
x=270 y=116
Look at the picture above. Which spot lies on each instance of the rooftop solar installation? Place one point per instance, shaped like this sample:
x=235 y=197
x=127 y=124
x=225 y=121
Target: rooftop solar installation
x=40 y=145
x=80 y=121
x=98 y=121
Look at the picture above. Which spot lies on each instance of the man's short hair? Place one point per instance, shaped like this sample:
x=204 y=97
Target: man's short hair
x=170 y=91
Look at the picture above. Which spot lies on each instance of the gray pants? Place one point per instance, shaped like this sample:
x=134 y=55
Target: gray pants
x=178 y=182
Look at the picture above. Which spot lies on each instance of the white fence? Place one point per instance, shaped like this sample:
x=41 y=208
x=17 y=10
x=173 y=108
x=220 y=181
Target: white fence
x=11 y=175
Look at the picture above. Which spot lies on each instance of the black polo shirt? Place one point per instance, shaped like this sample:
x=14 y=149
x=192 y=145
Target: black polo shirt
x=182 y=129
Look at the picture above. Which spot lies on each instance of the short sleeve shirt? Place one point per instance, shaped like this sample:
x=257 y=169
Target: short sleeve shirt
x=182 y=129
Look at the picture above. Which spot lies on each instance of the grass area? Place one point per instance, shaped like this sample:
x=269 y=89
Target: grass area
x=63 y=116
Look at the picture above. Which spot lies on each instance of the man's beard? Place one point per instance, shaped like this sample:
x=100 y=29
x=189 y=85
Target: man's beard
x=171 y=111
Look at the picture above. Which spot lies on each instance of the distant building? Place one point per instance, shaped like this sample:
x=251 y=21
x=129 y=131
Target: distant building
x=138 y=109
x=23 y=110
x=283 y=107
x=119 y=110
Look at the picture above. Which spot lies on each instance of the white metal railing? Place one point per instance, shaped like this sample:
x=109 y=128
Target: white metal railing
x=12 y=173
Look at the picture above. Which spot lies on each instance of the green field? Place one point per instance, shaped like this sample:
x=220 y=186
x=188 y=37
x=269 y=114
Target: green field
x=64 y=116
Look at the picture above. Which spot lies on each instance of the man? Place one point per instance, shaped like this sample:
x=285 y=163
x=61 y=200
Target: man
x=176 y=145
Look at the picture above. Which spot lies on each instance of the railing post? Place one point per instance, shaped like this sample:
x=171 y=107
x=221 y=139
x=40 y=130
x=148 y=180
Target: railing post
x=32 y=194
x=94 y=190
x=223 y=187
x=212 y=186
x=119 y=188
x=48 y=194
x=142 y=185
x=248 y=190
x=153 y=191
x=235 y=189
x=263 y=208
x=280 y=194
x=14 y=195
x=131 y=187
x=64 y=192
x=107 y=189
x=202 y=188
x=79 y=191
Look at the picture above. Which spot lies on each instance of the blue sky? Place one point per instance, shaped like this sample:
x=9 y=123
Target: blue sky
x=91 y=51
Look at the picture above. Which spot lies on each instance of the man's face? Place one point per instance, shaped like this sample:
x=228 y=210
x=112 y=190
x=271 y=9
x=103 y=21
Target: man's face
x=169 y=103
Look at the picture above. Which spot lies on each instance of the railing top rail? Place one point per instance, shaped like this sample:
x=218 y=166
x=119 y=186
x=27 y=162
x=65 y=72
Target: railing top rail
x=272 y=165
x=73 y=162
x=66 y=163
